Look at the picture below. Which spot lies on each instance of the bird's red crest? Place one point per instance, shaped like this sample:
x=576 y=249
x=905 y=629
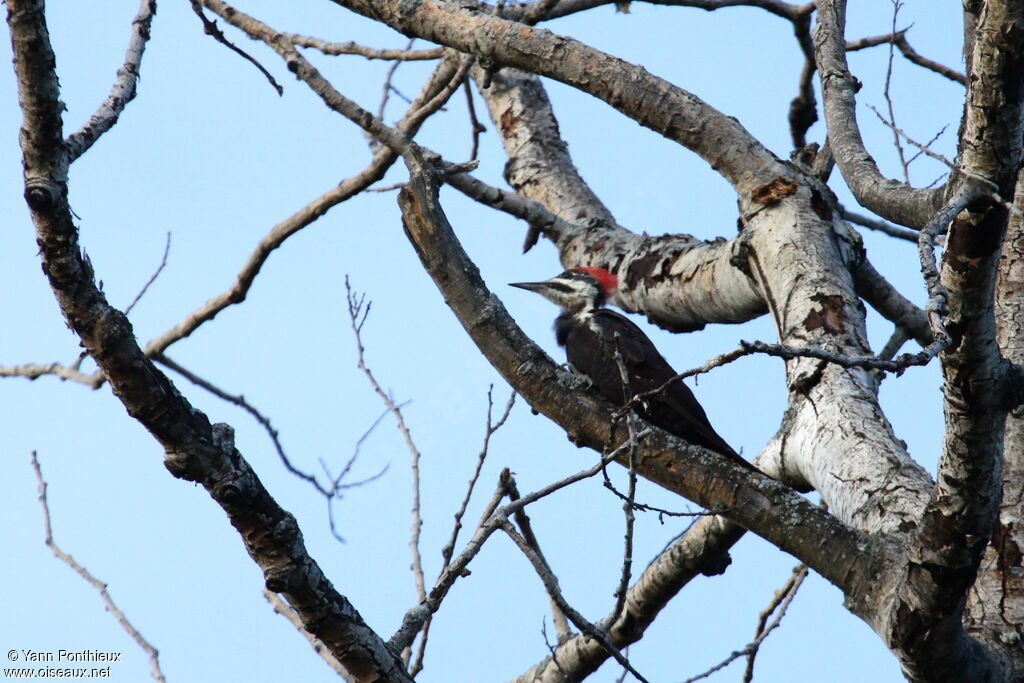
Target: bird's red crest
x=608 y=281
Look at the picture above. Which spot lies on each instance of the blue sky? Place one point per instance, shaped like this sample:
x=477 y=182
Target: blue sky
x=211 y=154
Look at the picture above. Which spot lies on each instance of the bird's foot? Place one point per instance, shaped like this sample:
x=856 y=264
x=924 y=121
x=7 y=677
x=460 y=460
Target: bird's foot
x=574 y=379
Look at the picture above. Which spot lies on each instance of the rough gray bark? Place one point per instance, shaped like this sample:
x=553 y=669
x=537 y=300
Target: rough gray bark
x=1000 y=582
x=195 y=449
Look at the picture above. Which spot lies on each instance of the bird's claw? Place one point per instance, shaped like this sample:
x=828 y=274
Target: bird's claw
x=574 y=379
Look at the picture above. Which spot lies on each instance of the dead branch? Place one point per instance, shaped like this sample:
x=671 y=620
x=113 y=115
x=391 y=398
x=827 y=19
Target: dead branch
x=413 y=620
x=991 y=187
x=476 y=128
x=449 y=548
x=526 y=528
x=152 y=278
x=896 y=231
x=386 y=90
x=937 y=295
x=358 y=311
x=780 y=601
x=551 y=585
x=899 y=38
x=337 y=483
x=123 y=90
x=351 y=48
x=896 y=6
x=783 y=597
x=100 y=586
x=211 y=29
x=284 y=609
x=702 y=549
x=33 y=371
x=382 y=160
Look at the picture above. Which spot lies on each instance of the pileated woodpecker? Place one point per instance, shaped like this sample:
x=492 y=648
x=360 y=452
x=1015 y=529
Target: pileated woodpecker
x=591 y=334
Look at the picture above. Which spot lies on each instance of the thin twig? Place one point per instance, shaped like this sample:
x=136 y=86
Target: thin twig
x=413 y=620
x=33 y=371
x=358 y=310
x=476 y=128
x=351 y=48
x=211 y=29
x=386 y=188
x=630 y=498
x=333 y=490
x=896 y=5
x=240 y=401
x=627 y=507
x=348 y=188
x=888 y=228
x=747 y=348
x=101 y=587
x=992 y=190
x=153 y=277
x=900 y=39
x=284 y=609
x=449 y=548
x=387 y=88
x=552 y=649
x=526 y=528
x=551 y=585
x=661 y=512
x=928 y=145
x=780 y=601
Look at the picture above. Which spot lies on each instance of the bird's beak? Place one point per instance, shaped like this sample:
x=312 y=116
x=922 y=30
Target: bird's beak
x=530 y=286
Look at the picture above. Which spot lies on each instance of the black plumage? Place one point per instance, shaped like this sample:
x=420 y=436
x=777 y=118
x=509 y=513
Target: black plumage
x=590 y=348
x=591 y=336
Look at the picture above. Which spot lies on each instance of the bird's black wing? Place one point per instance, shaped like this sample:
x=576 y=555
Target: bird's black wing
x=674 y=408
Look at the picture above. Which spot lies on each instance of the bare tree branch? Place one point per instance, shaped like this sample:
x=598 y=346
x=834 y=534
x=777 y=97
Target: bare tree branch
x=281 y=607
x=551 y=584
x=489 y=523
x=899 y=38
x=211 y=29
x=101 y=587
x=887 y=83
x=888 y=301
x=336 y=483
x=526 y=528
x=358 y=311
x=34 y=371
x=123 y=90
x=152 y=278
x=890 y=199
x=783 y=597
x=195 y=449
x=780 y=601
x=421 y=108
x=896 y=231
x=449 y=548
x=681 y=116
x=476 y=128
x=351 y=48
